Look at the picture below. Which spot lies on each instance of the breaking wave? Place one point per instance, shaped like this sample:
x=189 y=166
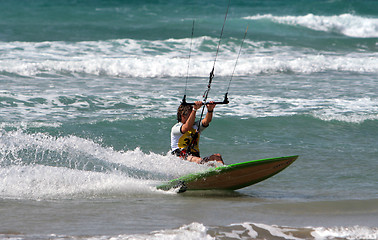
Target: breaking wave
x=169 y=58
x=345 y=24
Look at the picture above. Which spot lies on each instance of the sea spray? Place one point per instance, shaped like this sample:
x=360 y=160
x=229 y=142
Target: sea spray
x=43 y=166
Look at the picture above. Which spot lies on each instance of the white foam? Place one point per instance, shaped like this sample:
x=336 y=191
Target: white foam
x=169 y=58
x=347 y=110
x=277 y=231
x=42 y=166
x=191 y=231
x=346 y=24
x=52 y=111
x=186 y=232
x=355 y=232
x=251 y=232
x=356 y=110
x=197 y=230
x=50 y=101
x=41 y=182
x=295 y=233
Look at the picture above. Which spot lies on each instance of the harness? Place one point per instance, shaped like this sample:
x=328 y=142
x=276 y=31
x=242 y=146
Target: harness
x=182 y=153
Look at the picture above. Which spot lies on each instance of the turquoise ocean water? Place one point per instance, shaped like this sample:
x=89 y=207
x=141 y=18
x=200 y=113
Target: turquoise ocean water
x=89 y=92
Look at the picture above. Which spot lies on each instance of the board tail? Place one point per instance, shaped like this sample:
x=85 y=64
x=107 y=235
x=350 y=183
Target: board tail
x=177 y=185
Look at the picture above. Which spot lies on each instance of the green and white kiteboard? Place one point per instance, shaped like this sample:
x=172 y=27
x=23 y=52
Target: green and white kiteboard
x=230 y=177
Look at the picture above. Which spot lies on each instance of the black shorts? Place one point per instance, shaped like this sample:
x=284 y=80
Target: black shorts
x=183 y=154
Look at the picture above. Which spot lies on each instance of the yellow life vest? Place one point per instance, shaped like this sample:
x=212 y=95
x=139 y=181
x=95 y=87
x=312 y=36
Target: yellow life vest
x=186 y=139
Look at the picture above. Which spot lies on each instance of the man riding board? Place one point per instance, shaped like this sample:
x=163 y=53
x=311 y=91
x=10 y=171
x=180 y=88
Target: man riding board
x=185 y=134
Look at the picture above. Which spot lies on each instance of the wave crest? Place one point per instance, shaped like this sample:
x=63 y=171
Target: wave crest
x=169 y=58
x=346 y=24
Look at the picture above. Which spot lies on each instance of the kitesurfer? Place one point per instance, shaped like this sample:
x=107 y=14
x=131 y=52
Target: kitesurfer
x=185 y=134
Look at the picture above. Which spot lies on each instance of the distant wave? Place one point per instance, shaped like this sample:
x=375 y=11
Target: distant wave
x=164 y=66
x=24 y=112
x=346 y=24
x=169 y=58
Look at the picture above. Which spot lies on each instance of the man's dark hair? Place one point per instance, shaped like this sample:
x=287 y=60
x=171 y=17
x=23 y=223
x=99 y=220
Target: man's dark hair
x=183 y=109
